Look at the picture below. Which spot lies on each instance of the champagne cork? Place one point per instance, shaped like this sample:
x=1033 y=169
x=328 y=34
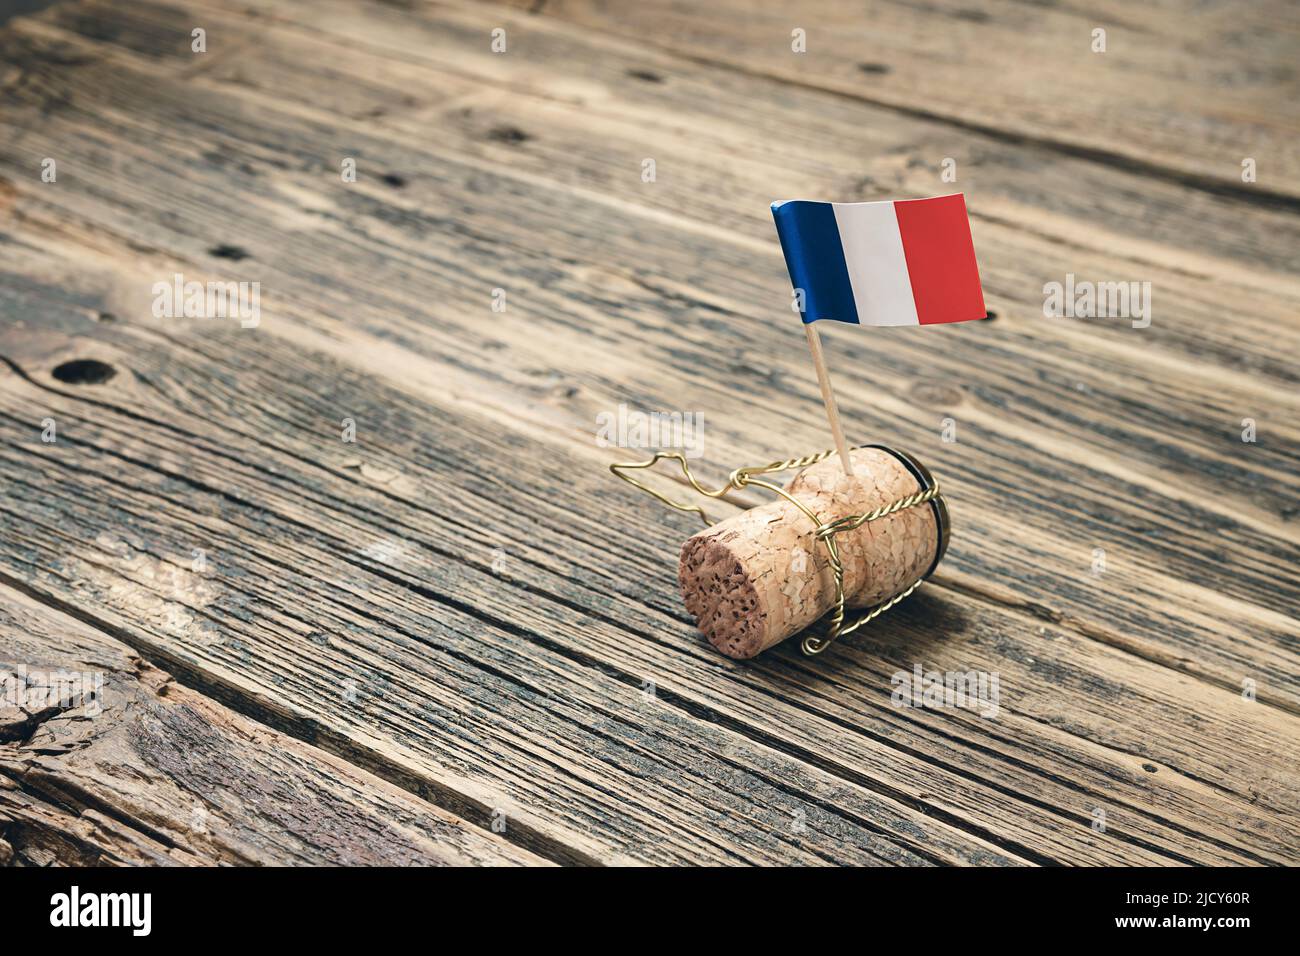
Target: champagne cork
x=761 y=576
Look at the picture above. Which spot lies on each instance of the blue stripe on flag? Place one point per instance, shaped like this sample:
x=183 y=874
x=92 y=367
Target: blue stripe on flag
x=814 y=255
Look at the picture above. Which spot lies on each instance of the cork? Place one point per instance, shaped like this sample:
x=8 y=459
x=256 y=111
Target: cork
x=761 y=576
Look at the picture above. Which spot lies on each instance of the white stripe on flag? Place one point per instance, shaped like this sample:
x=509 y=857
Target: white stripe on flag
x=873 y=252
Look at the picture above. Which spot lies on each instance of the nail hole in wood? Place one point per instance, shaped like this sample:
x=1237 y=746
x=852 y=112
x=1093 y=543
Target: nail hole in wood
x=511 y=135
x=105 y=317
x=84 y=372
x=224 y=251
x=875 y=69
x=649 y=76
x=394 y=180
x=991 y=315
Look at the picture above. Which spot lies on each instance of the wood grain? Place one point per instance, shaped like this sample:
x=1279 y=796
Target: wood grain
x=504 y=617
x=1170 y=431
x=1182 y=90
x=152 y=772
x=565 y=622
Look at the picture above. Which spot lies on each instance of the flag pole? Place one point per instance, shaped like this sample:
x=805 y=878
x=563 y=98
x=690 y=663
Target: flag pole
x=828 y=397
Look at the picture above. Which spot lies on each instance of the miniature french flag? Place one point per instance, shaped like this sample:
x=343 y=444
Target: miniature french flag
x=907 y=262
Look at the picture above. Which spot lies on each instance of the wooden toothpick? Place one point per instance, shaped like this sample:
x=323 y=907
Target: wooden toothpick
x=828 y=397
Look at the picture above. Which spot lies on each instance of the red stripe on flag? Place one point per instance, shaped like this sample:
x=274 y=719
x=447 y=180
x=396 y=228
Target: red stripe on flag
x=940 y=259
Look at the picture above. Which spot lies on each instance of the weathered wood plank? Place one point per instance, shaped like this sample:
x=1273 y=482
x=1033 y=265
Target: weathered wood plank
x=1201 y=233
x=709 y=129
x=1167 y=439
x=786 y=704
x=449 y=693
x=583 y=594
x=401 y=70
x=1183 y=90
x=134 y=768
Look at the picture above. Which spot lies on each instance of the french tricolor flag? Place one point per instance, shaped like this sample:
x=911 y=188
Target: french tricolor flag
x=907 y=262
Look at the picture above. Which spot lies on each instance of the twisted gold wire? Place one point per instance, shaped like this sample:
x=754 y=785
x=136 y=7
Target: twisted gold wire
x=825 y=532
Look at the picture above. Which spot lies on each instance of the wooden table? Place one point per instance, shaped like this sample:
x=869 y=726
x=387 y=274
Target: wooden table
x=456 y=638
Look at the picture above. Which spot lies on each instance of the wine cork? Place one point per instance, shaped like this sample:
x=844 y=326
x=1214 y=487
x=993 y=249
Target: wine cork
x=761 y=576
